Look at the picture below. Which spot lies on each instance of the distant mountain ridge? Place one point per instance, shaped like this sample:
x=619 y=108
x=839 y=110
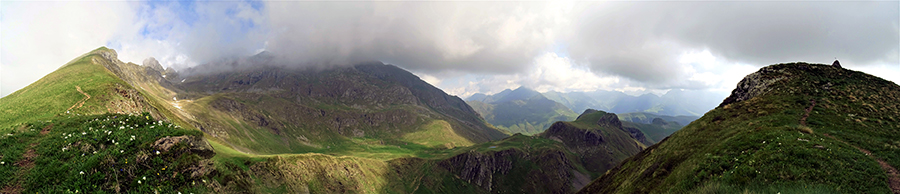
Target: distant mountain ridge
x=675 y=102
x=522 y=110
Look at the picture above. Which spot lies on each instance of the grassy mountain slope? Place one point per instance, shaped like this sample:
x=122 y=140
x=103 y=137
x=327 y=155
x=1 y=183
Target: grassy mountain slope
x=103 y=153
x=790 y=128
x=598 y=138
x=80 y=87
x=351 y=110
x=521 y=111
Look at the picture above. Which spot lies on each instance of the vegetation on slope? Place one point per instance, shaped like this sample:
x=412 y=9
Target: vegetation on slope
x=81 y=87
x=107 y=153
x=797 y=127
x=273 y=110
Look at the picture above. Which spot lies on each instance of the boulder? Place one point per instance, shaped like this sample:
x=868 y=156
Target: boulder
x=836 y=64
x=194 y=145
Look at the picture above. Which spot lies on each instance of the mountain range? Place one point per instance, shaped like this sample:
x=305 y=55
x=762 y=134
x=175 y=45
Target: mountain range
x=253 y=125
x=98 y=124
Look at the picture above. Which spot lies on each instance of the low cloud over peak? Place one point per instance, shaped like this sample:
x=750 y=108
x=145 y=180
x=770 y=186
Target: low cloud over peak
x=467 y=47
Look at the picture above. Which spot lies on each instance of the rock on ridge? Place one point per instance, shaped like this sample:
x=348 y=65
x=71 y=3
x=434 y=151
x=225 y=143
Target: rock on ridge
x=755 y=84
x=610 y=120
x=153 y=64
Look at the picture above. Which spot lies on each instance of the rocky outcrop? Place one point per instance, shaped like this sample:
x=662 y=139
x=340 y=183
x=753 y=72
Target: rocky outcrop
x=638 y=135
x=192 y=145
x=836 y=64
x=572 y=136
x=493 y=171
x=610 y=120
x=153 y=64
x=755 y=84
x=479 y=168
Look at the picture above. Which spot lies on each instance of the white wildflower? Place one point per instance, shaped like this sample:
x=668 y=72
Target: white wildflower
x=121 y=151
x=145 y=178
x=139 y=181
x=83 y=133
x=157 y=152
x=82 y=172
x=2 y=163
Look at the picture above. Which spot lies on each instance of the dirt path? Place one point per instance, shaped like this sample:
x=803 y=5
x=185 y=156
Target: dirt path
x=893 y=174
x=24 y=165
x=806 y=115
x=80 y=102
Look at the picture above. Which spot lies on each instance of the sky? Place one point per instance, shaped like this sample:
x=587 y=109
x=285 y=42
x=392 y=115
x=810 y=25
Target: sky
x=468 y=47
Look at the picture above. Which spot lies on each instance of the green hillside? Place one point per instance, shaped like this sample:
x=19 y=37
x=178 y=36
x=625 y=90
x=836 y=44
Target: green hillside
x=598 y=138
x=99 y=125
x=107 y=153
x=80 y=87
x=369 y=110
x=521 y=111
x=788 y=128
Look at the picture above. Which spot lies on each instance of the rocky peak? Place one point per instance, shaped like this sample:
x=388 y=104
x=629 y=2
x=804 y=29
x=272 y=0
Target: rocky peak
x=836 y=63
x=153 y=64
x=587 y=111
x=610 y=120
x=755 y=84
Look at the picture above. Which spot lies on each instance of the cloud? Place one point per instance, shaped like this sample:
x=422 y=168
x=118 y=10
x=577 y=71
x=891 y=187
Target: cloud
x=641 y=40
x=422 y=36
x=487 y=46
x=39 y=37
x=185 y=34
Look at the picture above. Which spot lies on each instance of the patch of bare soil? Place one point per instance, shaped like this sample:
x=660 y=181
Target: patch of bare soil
x=806 y=115
x=25 y=165
x=80 y=102
x=46 y=130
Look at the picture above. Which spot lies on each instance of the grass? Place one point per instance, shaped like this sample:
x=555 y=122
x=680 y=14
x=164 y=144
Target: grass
x=53 y=94
x=99 y=154
x=758 y=144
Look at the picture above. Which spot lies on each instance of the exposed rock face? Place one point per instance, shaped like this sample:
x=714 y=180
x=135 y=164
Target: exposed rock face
x=755 y=84
x=479 y=168
x=153 y=64
x=555 y=171
x=637 y=134
x=610 y=120
x=194 y=145
x=836 y=64
x=573 y=136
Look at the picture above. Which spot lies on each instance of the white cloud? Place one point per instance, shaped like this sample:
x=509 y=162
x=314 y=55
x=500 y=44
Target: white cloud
x=38 y=37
